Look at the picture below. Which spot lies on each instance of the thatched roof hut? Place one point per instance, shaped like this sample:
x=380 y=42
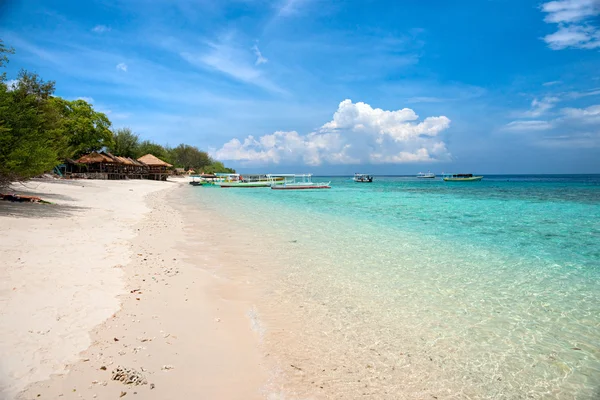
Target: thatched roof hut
x=157 y=167
x=153 y=161
x=96 y=158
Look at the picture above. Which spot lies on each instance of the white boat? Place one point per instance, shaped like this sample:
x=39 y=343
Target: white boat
x=296 y=182
x=428 y=175
x=362 y=178
x=248 y=181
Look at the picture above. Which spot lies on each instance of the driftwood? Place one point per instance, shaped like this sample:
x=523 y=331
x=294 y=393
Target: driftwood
x=22 y=198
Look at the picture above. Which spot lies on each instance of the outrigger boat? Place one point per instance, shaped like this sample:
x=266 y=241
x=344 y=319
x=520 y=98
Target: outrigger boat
x=461 y=178
x=296 y=182
x=248 y=181
x=428 y=175
x=362 y=178
x=202 y=180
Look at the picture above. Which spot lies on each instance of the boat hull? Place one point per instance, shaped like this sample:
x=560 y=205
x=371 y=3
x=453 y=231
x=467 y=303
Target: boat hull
x=471 y=179
x=300 y=187
x=243 y=184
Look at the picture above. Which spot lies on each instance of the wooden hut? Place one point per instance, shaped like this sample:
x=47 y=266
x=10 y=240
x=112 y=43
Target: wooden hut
x=157 y=168
x=100 y=166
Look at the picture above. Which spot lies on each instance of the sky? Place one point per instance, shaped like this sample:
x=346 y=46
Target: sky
x=332 y=87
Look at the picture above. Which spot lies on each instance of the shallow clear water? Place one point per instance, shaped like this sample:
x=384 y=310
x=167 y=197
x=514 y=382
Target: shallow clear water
x=406 y=288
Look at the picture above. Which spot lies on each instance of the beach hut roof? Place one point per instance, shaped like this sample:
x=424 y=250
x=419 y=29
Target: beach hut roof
x=94 y=157
x=151 y=160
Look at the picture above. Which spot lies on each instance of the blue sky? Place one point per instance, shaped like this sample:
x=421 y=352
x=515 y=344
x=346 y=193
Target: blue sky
x=496 y=86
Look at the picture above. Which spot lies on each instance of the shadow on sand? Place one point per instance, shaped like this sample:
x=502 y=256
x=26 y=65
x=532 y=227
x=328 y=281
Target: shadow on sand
x=35 y=210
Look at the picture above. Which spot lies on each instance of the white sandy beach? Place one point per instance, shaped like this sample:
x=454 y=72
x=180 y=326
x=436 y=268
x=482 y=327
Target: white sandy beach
x=105 y=277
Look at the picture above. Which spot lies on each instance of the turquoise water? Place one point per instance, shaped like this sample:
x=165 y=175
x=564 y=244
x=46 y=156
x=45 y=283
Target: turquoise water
x=406 y=288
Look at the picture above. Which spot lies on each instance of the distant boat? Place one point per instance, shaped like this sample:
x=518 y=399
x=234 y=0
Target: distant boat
x=362 y=178
x=428 y=175
x=461 y=178
x=297 y=182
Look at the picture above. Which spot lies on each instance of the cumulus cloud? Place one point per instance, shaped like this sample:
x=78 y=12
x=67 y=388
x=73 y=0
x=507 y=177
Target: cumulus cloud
x=357 y=133
x=576 y=23
x=122 y=67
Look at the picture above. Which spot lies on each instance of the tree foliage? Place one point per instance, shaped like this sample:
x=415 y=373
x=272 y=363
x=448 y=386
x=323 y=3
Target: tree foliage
x=27 y=146
x=126 y=143
x=189 y=157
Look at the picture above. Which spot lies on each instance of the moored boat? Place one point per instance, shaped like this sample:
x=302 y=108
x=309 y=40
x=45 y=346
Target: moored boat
x=362 y=178
x=249 y=181
x=428 y=175
x=297 y=182
x=461 y=178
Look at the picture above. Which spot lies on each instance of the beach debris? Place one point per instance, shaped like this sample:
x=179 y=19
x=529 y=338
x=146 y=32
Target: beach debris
x=135 y=290
x=575 y=348
x=103 y=368
x=122 y=394
x=116 y=340
x=152 y=386
x=128 y=376
x=167 y=367
x=22 y=198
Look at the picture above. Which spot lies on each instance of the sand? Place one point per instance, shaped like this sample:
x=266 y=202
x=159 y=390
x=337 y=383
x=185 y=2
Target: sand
x=108 y=277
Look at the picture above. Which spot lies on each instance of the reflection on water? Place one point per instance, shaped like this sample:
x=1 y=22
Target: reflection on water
x=412 y=289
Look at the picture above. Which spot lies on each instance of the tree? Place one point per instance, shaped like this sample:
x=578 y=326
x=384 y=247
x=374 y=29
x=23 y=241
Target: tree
x=4 y=52
x=149 y=147
x=126 y=143
x=27 y=145
x=189 y=157
x=80 y=129
x=218 y=167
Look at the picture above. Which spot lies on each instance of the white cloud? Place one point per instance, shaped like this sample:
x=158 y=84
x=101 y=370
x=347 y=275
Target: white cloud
x=227 y=58
x=86 y=99
x=589 y=115
x=551 y=83
x=575 y=19
x=535 y=125
x=101 y=29
x=357 y=133
x=540 y=107
x=122 y=67
x=290 y=7
x=259 y=57
x=11 y=84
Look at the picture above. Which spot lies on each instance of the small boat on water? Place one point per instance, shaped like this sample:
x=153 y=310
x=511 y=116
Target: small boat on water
x=249 y=181
x=362 y=178
x=428 y=175
x=461 y=178
x=202 y=180
x=297 y=182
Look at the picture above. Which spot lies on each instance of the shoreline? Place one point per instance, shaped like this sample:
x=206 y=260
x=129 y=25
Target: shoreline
x=186 y=330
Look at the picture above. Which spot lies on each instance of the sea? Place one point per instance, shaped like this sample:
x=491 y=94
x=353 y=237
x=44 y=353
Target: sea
x=408 y=288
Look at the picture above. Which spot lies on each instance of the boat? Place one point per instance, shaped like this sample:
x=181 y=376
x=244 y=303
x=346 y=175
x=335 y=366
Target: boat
x=461 y=178
x=249 y=181
x=428 y=175
x=296 y=182
x=201 y=180
x=362 y=178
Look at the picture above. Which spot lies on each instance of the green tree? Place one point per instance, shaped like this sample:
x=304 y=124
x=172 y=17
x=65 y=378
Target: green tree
x=189 y=157
x=126 y=143
x=217 y=167
x=27 y=145
x=149 y=147
x=80 y=129
x=4 y=52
